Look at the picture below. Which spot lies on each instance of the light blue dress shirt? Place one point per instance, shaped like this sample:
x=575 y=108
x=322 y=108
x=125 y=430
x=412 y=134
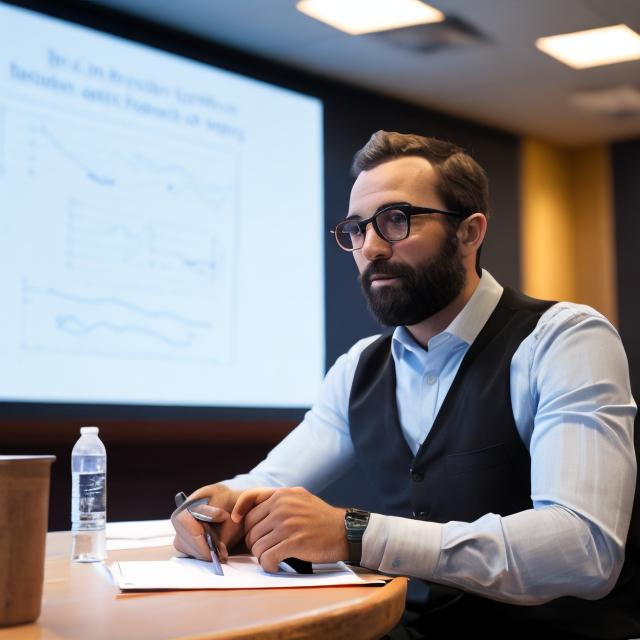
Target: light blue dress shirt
x=573 y=409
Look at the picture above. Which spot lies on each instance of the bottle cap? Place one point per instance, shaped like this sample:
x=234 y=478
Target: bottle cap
x=85 y=431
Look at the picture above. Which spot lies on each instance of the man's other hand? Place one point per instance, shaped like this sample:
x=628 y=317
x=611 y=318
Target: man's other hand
x=189 y=538
x=290 y=523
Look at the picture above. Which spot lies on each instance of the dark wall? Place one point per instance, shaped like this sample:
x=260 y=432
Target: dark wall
x=626 y=169
x=147 y=466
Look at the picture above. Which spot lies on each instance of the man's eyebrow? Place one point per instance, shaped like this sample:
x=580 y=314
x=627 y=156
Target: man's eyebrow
x=357 y=216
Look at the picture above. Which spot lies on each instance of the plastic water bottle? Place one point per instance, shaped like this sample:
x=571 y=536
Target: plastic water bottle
x=89 y=497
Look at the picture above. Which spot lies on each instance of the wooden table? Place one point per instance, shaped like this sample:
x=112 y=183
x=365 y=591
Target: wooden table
x=79 y=602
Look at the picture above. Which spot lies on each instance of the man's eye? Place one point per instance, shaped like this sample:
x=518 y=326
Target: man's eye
x=395 y=217
x=353 y=229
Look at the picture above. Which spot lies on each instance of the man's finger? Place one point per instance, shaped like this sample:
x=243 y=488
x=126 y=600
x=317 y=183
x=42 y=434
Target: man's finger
x=189 y=547
x=215 y=513
x=185 y=524
x=203 y=492
x=259 y=513
x=189 y=536
x=194 y=546
x=274 y=555
x=229 y=532
x=182 y=545
x=265 y=542
x=261 y=528
x=248 y=500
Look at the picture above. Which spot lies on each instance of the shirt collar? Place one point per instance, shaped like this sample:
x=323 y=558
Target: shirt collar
x=466 y=325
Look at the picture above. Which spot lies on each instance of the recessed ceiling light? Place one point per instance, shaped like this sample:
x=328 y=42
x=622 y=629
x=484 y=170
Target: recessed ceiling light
x=621 y=101
x=366 y=16
x=594 y=47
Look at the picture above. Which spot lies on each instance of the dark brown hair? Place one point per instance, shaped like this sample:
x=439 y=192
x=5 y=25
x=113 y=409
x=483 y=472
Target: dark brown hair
x=462 y=183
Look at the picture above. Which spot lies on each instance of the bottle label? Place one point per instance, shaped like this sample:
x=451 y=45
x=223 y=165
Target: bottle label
x=93 y=493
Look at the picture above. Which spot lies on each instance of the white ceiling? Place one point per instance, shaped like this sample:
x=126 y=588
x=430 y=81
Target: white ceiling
x=503 y=81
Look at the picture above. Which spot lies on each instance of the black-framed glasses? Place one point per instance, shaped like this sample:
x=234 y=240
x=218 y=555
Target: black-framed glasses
x=391 y=222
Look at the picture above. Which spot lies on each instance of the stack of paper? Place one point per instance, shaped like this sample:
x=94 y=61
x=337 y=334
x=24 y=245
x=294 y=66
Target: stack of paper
x=133 y=535
x=240 y=572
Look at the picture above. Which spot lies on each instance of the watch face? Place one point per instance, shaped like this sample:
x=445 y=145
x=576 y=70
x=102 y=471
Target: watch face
x=356 y=522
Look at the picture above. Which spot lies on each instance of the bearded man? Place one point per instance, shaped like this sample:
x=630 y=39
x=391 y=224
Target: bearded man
x=497 y=429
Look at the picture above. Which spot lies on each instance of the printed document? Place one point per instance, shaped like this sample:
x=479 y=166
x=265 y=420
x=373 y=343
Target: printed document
x=240 y=572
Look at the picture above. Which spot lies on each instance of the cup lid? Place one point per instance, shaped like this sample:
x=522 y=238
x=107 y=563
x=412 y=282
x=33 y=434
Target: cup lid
x=25 y=457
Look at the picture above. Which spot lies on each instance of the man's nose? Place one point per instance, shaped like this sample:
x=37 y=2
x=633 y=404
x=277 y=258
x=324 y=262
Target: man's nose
x=375 y=247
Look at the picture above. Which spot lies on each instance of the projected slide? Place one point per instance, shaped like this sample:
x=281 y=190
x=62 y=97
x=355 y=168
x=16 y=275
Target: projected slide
x=177 y=264
x=161 y=226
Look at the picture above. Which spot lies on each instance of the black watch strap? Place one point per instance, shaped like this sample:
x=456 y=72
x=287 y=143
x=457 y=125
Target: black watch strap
x=355 y=524
x=355 y=553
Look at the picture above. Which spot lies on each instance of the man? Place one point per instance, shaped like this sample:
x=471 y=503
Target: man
x=497 y=429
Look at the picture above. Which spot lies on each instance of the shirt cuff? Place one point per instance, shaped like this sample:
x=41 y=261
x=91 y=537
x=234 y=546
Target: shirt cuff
x=401 y=545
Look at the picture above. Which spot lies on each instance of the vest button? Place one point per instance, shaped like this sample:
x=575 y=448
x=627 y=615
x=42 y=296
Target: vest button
x=417 y=476
x=423 y=515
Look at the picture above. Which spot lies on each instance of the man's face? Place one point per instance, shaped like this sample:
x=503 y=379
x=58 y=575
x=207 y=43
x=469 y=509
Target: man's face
x=407 y=281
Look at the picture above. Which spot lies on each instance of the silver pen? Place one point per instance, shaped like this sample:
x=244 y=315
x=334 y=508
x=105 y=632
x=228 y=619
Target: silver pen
x=207 y=523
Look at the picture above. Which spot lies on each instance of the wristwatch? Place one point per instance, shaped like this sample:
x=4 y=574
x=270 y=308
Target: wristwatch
x=355 y=523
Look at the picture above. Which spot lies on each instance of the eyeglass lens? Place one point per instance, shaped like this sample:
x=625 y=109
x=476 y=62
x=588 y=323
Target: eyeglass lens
x=392 y=225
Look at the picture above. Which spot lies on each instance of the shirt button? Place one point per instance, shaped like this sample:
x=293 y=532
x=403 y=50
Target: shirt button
x=431 y=379
x=417 y=476
x=396 y=563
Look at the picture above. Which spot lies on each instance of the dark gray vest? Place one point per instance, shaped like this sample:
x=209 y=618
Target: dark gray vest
x=473 y=462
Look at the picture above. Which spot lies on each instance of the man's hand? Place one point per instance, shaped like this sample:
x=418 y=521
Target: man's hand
x=290 y=523
x=189 y=537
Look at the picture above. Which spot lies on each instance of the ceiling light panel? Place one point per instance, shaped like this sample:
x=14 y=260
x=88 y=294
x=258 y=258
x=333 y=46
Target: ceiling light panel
x=366 y=16
x=594 y=47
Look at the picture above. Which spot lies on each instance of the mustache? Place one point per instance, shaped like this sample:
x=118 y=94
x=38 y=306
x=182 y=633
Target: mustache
x=385 y=269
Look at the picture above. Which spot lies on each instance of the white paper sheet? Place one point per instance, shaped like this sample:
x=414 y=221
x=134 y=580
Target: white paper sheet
x=143 y=533
x=240 y=572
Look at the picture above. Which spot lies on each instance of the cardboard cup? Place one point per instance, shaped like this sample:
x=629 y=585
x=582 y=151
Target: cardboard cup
x=24 y=510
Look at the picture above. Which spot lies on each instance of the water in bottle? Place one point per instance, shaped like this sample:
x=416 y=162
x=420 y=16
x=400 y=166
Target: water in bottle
x=89 y=497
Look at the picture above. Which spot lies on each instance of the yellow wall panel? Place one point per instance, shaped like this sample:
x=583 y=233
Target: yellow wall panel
x=595 y=230
x=567 y=230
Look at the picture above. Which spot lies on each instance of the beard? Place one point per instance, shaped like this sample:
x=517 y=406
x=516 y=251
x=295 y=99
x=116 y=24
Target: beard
x=421 y=292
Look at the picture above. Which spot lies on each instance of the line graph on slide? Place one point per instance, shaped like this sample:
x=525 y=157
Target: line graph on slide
x=139 y=257
x=98 y=238
x=124 y=159
x=57 y=320
x=111 y=325
x=121 y=170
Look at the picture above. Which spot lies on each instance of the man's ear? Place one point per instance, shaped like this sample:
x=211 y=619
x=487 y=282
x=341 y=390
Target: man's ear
x=471 y=233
